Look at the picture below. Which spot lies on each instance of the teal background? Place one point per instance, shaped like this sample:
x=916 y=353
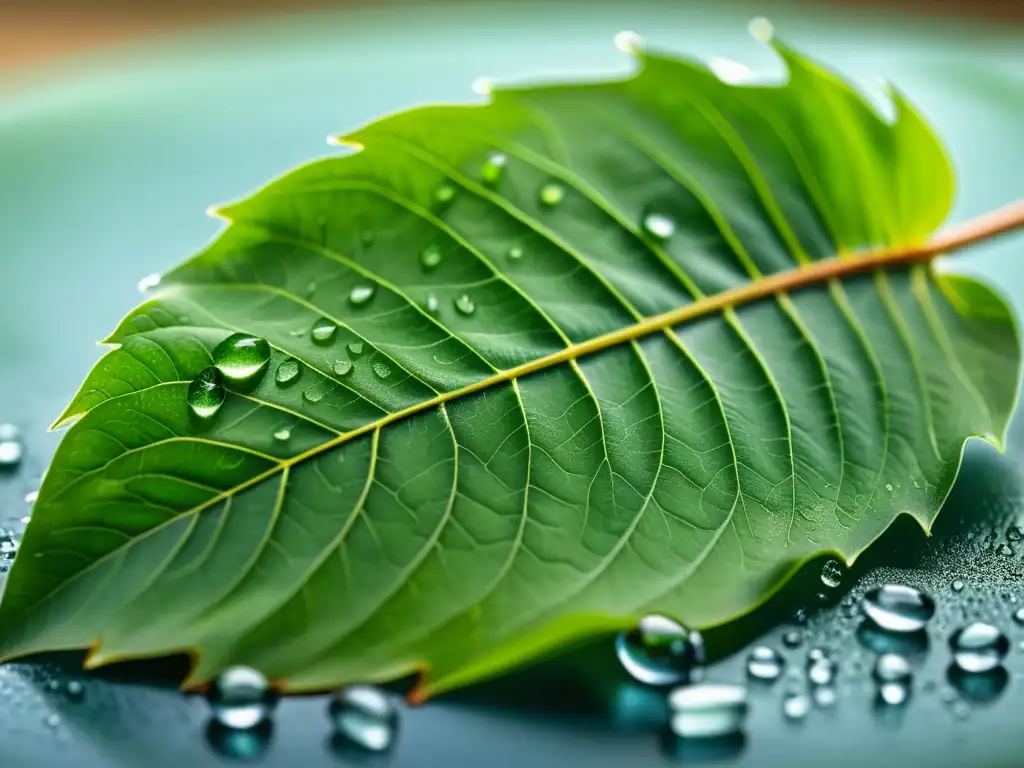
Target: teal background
x=107 y=163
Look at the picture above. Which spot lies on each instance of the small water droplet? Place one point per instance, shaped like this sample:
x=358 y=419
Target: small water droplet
x=825 y=696
x=493 y=168
x=52 y=720
x=283 y=435
x=821 y=672
x=31 y=496
x=430 y=257
x=659 y=651
x=465 y=305
x=551 y=194
x=444 y=194
x=9 y=543
x=958 y=586
x=363 y=715
x=659 y=224
x=433 y=305
x=707 y=710
x=761 y=29
x=1018 y=616
x=898 y=608
x=240 y=697
x=149 y=282
x=979 y=647
x=360 y=295
x=288 y=371
x=817 y=654
x=74 y=690
x=206 y=393
x=730 y=71
x=793 y=638
x=11 y=449
x=355 y=348
x=628 y=41
x=241 y=356
x=765 y=663
x=382 y=369
x=342 y=368
x=892 y=668
x=515 y=253
x=795 y=706
x=888 y=487
x=832 y=574
x=323 y=331
x=313 y=394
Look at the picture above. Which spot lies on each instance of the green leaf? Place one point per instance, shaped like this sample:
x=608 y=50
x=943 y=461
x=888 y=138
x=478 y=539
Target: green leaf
x=600 y=350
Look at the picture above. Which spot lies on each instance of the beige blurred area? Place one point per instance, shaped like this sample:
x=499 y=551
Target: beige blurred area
x=37 y=30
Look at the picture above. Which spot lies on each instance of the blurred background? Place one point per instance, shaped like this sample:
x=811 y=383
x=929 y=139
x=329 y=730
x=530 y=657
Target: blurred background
x=45 y=29
x=120 y=122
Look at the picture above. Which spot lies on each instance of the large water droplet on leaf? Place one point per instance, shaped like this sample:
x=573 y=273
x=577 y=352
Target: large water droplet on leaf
x=288 y=371
x=206 y=393
x=323 y=331
x=465 y=304
x=360 y=295
x=382 y=369
x=241 y=356
x=832 y=574
x=342 y=368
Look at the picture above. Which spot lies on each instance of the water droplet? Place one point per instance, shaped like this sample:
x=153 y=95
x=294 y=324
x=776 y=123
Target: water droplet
x=821 y=672
x=1014 y=533
x=817 y=654
x=628 y=41
x=893 y=694
x=659 y=225
x=283 y=435
x=11 y=449
x=978 y=687
x=360 y=295
x=551 y=194
x=515 y=253
x=979 y=647
x=765 y=663
x=761 y=29
x=382 y=369
x=465 y=305
x=888 y=487
x=149 y=282
x=74 y=690
x=430 y=257
x=1018 y=616
x=288 y=371
x=432 y=304
x=794 y=638
x=206 y=393
x=363 y=715
x=832 y=574
x=824 y=696
x=52 y=720
x=958 y=586
x=8 y=549
x=444 y=194
x=878 y=640
x=892 y=668
x=241 y=698
x=707 y=710
x=659 y=651
x=898 y=608
x=730 y=71
x=1005 y=550
x=240 y=356
x=493 y=168
x=795 y=706
x=482 y=86
x=313 y=394
x=323 y=331
x=355 y=348
x=342 y=368
x=31 y=497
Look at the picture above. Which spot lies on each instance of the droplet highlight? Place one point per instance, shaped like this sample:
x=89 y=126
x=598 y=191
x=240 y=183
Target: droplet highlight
x=206 y=393
x=430 y=257
x=659 y=225
x=465 y=304
x=493 y=168
x=361 y=295
x=551 y=194
x=11 y=448
x=765 y=663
